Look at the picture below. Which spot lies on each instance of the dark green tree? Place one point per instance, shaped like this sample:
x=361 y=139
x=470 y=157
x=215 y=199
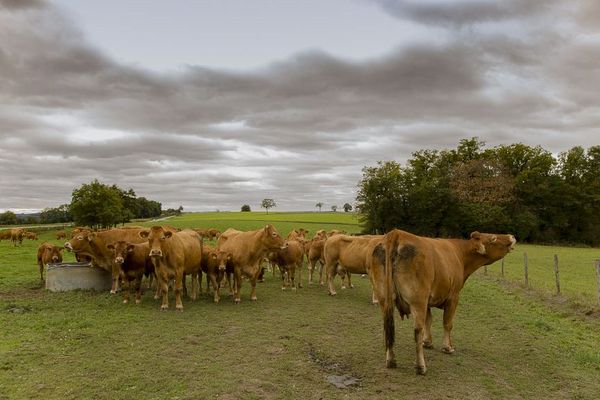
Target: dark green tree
x=8 y=218
x=347 y=207
x=268 y=203
x=97 y=205
x=245 y=208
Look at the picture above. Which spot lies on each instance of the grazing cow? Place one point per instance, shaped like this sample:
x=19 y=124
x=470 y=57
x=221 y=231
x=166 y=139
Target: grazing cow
x=216 y=265
x=289 y=260
x=349 y=253
x=47 y=253
x=247 y=250
x=5 y=234
x=174 y=254
x=61 y=235
x=17 y=235
x=93 y=245
x=414 y=273
x=31 y=235
x=133 y=259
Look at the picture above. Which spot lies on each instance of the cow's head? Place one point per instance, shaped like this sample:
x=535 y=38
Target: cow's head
x=120 y=250
x=221 y=258
x=54 y=253
x=271 y=238
x=492 y=246
x=80 y=243
x=320 y=234
x=157 y=238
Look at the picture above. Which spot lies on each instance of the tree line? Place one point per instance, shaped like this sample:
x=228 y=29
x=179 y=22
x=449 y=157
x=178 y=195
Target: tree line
x=519 y=189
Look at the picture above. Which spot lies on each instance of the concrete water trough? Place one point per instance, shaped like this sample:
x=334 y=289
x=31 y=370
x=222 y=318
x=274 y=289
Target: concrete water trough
x=62 y=277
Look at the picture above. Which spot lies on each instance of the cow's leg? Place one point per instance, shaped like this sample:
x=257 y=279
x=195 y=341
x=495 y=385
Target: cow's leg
x=115 y=278
x=419 y=312
x=253 y=280
x=163 y=283
x=299 y=268
x=184 y=284
x=427 y=340
x=138 y=289
x=195 y=280
x=292 y=276
x=331 y=270
x=200 y=283
x=349 y=275
x=237 y=285
x=41 y=266
x=311 y=266
x=215 y=285
x=283 y=278
x=179 y=289
x=126 y=291
x=230 y=283
x=449 y=311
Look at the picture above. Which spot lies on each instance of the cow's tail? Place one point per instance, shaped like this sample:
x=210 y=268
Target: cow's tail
x=388 y=304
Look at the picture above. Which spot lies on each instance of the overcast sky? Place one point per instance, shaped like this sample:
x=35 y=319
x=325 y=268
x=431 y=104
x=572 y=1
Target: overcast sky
x=218 y=103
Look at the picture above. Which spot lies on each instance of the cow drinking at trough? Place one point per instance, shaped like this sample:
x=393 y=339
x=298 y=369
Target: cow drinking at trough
x=48 y=253
x=174 y=254
x=93 y=245
x=414 y=273
x=133 y=259
x=247 y=250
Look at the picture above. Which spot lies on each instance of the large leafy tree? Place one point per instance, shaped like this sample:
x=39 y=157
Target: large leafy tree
x=97 y=205
x=268 y=203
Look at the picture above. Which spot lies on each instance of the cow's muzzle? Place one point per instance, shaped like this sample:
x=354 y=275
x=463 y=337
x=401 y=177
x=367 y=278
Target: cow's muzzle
x=156 y=253
x=119 y=260
x=68 y=246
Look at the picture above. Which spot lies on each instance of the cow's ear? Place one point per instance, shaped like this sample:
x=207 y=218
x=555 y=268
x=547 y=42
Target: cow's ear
x=130 y=247
x=61 y=249
x=168 y=234
x=91 y=236
x=475 y=235
x=144 y=234
x=110 y=246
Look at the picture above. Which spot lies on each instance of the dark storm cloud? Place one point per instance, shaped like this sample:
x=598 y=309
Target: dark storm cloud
x=298 y=130
x=460 y=12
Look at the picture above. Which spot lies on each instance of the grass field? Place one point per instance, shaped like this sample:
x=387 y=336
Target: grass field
x=88 y=345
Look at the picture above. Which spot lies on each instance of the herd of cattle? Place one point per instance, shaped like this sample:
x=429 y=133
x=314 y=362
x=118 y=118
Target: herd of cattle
x=407 y=272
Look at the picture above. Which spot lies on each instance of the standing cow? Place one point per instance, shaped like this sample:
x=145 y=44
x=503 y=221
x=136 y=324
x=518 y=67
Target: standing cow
x=17 y=235
x=216 y=265
x=174 y=254
x=247 y=250
x=134 y=262
x=289 y=260
x=414 y=273
x=48 y=253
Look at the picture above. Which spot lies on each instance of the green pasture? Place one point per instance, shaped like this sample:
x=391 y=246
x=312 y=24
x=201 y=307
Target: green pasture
x=288 y=344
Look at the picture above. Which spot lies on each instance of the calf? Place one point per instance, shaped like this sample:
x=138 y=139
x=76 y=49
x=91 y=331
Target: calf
x=289 y=260
x=61 y=235
x=173 y=254
x=48 y=253
x=134 y=262
x=216 y=264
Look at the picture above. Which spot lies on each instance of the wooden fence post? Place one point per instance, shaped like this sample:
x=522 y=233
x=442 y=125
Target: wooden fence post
x=502 y=269
x=556 y=274
x=526 y=269
x=598 y=277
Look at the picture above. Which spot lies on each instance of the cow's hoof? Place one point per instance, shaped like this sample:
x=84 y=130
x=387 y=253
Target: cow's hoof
x=283 y=288
x=125 y=301
x=300 y=286
x=428 y=345
x=293 y=287
x=253 y=298
x=332 y=293
x=237 y=301
x=164 y=308
x=447 y=350
x=351 y=286
x=375 y=302
x=420 y=369
x=156 y=297
x=138 y=301
x=343 y=287
x=112 y=291
x=390 y=364
x=179 y=308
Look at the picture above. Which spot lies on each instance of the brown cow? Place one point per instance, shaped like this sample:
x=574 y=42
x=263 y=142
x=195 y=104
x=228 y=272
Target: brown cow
x=5 y=234
x=296 y=234
x=349 y=253
x=31 y=235
x=335 y=232
x=173 y=254
x=216 y=265
x=61 y=235
x=17 y=235
x=93 y=244
x=209 y=234
x=247 y=250
x=47 y=253
x=314 y=249
x=289 y=260
x=414 y=273
x=133 y=259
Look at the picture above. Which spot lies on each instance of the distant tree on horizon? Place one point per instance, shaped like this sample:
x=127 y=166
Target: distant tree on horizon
x=319 y=205
x=268 y=203
x=347 y=207
x=8 y=218
x=334 y=208
x=246 y=208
